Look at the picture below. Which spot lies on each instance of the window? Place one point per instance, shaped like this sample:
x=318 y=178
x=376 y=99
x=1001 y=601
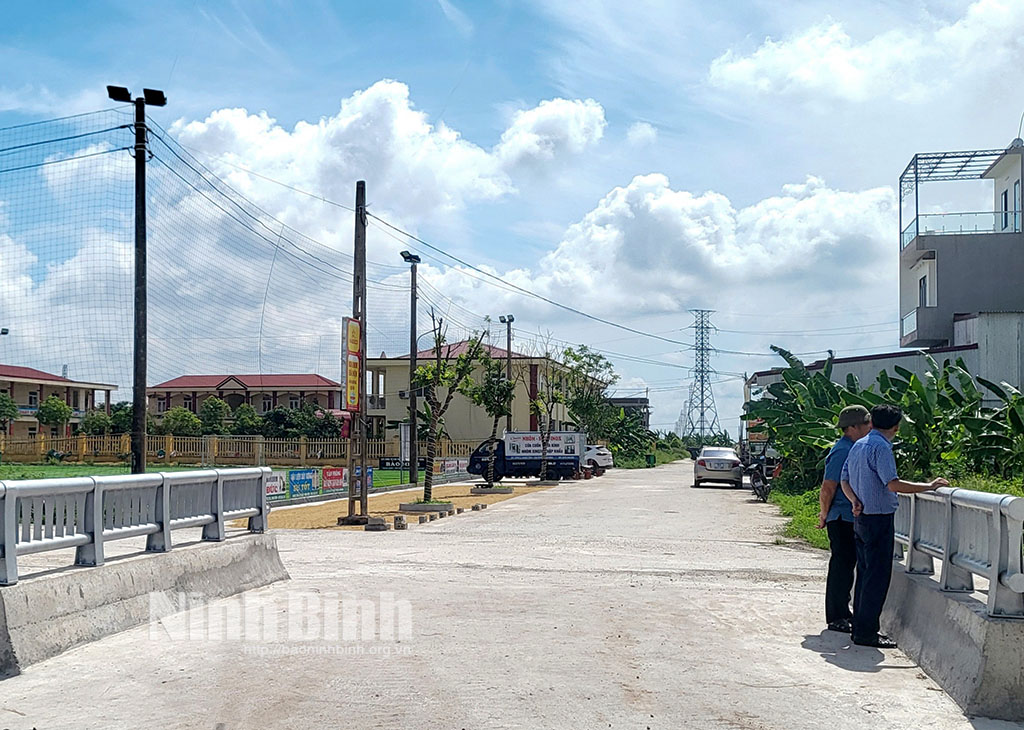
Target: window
x=188 y=403
x=922 y=291
x=1016 y=206
x=75 y=399
x=161 y=404
x=293 y=402
x=268 y=403
x=33 y=399
x=1006 y=209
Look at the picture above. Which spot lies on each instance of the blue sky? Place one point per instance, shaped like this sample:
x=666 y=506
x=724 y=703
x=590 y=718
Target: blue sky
x=737 y=156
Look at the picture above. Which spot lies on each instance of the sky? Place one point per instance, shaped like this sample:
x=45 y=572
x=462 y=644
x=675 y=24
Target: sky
x=634 y=164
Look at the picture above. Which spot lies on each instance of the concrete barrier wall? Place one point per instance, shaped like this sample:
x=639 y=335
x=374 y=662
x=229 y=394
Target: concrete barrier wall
x=47 y=615
x=977 y=659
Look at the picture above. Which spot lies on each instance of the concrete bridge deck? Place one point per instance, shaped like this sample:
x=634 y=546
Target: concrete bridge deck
x=630 y=601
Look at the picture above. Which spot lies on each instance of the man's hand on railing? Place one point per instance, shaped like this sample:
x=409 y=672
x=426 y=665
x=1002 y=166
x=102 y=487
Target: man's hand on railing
x=939 y=482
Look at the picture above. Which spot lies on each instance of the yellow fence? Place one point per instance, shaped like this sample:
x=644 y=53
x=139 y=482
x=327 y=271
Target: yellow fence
x=210 y=450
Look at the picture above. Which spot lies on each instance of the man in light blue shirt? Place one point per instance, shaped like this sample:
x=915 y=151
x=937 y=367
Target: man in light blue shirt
x=836 y=516
x=870 y=481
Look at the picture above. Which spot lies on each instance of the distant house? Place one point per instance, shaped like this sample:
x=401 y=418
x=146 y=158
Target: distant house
x=29 y=387
x=638 y=405
x=388 y=385
x=262 y=392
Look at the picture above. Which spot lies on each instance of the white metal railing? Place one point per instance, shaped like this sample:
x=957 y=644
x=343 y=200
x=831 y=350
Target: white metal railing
x=39 y=515
x=908 y=323
x=971 y=533
x=939 y=224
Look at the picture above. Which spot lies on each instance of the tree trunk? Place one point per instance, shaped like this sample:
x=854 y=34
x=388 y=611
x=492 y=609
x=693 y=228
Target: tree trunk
x=428 y=475
x=494 y=452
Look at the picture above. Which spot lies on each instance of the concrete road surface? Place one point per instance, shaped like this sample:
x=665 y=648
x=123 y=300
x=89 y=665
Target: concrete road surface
x=629 y=601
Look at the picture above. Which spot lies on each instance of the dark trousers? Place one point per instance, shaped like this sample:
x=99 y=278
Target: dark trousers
x=874 y=535
x=840 y=570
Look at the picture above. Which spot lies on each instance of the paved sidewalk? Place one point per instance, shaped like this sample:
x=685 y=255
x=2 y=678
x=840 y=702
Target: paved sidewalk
x=629 y=601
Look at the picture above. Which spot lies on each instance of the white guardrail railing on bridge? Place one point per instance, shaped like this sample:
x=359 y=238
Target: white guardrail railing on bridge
x=39 y=515
x=970 y=533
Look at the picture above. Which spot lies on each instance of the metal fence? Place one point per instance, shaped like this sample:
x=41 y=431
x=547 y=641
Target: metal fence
x=211 y=450
x=40 y=515
x=970 y=533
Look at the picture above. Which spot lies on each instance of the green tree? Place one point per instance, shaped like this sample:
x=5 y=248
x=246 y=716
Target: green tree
x=8 y=411
x=95 y=423
x=179 y=421
x=54 y=412
x=494 y=393
x=212 y=414
x=121 y=417
x=586 y=377
x=440 y=380
x=247 y=421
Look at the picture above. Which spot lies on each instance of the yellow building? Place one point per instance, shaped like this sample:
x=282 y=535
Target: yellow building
x=388 y=383
x=29 y=387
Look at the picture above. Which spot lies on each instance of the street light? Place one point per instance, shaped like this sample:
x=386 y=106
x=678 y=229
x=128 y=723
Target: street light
x=507 y=320
x=150 y=97
x=412 y=259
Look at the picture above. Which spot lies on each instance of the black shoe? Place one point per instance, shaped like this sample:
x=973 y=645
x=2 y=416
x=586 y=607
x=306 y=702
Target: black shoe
x=842 y=626
x=879 y=641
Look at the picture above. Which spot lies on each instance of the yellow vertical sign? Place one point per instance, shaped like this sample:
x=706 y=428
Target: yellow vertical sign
x=353 y=372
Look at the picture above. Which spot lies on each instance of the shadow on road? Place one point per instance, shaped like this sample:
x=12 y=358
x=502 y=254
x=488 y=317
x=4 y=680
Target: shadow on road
x=837 y=649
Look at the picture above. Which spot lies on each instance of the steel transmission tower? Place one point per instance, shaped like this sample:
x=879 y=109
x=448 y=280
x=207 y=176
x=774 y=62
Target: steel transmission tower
x=701 y=414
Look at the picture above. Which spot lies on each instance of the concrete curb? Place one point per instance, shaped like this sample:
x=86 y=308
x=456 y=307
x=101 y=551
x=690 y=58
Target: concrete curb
x=45 y=616
x=975 y=658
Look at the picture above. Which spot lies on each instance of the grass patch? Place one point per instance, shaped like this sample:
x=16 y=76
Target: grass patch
x=664 y=456
x=802 y=509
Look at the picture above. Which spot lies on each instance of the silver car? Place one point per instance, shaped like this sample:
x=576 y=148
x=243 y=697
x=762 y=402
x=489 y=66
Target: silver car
x=718 y=464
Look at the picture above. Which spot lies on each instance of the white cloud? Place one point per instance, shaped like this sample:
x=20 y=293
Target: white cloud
x=648 y=249
x=641 y=134
x=909 y=63
x=551 y=129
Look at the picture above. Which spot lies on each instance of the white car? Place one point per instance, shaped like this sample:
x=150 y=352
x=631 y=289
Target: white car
x=598 y=456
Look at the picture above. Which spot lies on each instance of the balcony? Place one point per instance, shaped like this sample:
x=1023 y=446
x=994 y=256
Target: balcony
x=924 y=327
x=942 y=224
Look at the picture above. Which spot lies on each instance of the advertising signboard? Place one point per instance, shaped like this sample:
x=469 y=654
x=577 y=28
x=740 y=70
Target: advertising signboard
x=302 y=482
x=561 y=443
x=353 y=371
x=277 y=487
x=369 y=476
x=334 y=479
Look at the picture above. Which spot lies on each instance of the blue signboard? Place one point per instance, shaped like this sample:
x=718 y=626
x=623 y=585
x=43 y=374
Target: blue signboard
x=302 y=482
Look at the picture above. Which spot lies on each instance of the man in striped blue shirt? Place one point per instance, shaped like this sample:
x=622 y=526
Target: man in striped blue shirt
x=871 y=482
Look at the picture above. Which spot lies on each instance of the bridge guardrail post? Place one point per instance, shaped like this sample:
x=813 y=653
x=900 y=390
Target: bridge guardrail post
x=92 y=553
x=8 y=536
x=1006 y=579
x=954 y=578
x=160 y=541
x=260 y=523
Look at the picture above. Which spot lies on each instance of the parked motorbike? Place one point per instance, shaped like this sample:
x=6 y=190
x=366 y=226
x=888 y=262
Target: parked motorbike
x=760 y=483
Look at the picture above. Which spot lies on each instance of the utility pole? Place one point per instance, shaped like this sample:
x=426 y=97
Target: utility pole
x=151 y=97
x=507 y=320
x=701 y=414
x=357 y=436
x=414 y=476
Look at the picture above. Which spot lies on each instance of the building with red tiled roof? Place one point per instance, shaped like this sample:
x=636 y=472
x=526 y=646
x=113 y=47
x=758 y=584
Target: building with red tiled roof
x=29 y=387
x=262 y=392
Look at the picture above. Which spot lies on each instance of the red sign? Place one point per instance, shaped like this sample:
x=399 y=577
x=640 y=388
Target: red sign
x=334 y=479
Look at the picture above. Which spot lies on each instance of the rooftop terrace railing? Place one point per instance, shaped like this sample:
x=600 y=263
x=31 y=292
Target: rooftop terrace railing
x=939 y=224
x=40 y=515
x=971 y=534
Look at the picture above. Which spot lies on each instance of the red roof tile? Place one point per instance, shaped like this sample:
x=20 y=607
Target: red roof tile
x=201 y=382
x=16 y=371
x=460 y=348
